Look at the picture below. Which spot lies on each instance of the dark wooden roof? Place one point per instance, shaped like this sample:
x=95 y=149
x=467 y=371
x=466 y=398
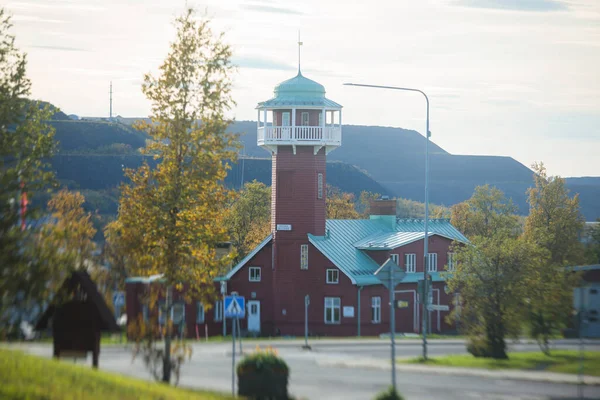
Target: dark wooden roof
x=95 y=299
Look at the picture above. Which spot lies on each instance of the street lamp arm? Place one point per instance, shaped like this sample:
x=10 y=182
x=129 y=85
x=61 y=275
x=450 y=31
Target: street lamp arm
x=391 y=87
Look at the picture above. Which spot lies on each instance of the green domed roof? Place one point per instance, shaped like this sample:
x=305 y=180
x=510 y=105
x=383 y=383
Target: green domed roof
x=299 y=91
x=300 y=86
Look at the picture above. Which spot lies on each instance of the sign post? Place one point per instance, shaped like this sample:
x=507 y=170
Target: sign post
x=118 y=299
x=306 y=303
x=390 y=274
x=234 y=307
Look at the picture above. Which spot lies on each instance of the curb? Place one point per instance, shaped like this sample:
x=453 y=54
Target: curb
x=505 y=374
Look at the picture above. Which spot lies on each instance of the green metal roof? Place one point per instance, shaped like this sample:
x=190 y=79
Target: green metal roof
x=340 y=244
x=389 y=240
x=299 y=91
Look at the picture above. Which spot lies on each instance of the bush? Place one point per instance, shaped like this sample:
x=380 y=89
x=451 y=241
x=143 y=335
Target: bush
x=263 y=375
x=389 y=394
x=479 y=347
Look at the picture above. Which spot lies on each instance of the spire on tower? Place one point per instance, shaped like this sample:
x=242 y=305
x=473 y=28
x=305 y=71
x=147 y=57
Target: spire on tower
x=299 y=45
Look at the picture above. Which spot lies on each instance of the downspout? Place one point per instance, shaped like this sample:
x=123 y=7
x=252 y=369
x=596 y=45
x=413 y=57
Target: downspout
x=360 y=288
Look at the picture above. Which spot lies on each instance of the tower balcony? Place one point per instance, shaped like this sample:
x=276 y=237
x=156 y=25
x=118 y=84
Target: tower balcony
x=330 y=136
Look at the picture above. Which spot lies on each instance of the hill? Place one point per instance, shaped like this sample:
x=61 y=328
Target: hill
x=391 y=160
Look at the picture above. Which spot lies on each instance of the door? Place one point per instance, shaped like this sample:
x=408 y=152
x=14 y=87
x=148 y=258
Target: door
x=253 y=316
x=285 y=125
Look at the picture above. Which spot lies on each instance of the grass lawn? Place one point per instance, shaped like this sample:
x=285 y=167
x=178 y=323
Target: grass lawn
x=32 y=378
x=566 y=361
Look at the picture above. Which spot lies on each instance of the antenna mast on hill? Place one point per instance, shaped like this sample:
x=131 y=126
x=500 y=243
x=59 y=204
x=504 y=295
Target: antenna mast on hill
x=110 y=100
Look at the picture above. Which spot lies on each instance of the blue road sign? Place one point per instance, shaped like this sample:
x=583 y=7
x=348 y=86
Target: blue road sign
x=118 y=299
x=235 y=307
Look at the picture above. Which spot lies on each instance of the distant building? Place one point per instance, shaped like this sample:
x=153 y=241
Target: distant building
x=331 y=261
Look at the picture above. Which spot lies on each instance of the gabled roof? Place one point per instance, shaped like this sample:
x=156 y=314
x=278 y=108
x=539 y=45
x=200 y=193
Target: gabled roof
x=245 y=260
x=84 y=281
x=346 y=238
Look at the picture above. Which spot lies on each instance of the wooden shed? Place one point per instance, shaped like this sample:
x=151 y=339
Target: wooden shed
x=77 y=317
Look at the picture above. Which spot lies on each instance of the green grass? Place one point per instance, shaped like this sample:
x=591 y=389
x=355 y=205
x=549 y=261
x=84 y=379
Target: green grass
x=565 y=361
x=26 y=377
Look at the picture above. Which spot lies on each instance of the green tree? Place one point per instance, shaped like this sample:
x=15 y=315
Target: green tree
x=171 y=218
x=26 y=143
x=490 y=272
x=249 y=217
x=554 y=224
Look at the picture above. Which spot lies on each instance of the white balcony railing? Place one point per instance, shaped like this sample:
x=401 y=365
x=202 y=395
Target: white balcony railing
x=330 y=135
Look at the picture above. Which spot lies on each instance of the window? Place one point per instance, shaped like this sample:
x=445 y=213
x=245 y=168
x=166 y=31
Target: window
x=333 y=276
x=285 y=119
x=304 y=256
x=410 y=262
x=332 y=310
x=219 y=310
x=199 y=313
x=305 y=120
x=254 y=273
x=432 y=262
x=451 y=262
x=178 y=313
x=395 y=258
x=320 y=185
x=145 y=312
x=321 y=118
x=375 y=310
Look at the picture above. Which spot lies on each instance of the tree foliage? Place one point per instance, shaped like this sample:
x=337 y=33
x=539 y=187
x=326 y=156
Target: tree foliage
x=26 y=142
x=248 y=218
x=340 y=205
x=490 y=272
x=171 y=217
x=554 y=224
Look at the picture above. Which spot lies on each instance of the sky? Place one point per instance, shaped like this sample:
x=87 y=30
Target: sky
x=518 y=78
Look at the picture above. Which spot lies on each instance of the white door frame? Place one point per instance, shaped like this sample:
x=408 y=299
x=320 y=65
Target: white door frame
x=249 y=305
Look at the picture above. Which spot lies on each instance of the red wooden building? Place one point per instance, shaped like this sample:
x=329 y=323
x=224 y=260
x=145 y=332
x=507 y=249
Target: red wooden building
x=332 y=261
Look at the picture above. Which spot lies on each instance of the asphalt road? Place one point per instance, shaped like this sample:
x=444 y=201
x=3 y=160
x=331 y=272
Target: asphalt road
x=210 y=368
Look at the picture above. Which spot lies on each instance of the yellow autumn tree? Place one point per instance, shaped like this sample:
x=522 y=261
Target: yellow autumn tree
x=171 y=217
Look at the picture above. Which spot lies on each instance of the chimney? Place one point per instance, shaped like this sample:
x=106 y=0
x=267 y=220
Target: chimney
x=384 y=209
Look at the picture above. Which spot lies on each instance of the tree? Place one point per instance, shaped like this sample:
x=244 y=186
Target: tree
x=487 y=212
x=364 y=203
x=554 y=224
x=26 y=143
x=171 y=218
x=340 y=205
x=249 y=217
x=490 y=271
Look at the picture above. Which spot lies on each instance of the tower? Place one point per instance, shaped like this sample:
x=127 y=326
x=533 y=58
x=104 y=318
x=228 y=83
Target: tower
x=299 y=126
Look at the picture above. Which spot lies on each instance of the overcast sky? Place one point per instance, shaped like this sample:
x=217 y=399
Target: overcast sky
x=518 y=78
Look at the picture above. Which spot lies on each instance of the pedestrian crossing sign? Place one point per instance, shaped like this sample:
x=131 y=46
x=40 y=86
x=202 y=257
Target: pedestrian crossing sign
x=235 y=307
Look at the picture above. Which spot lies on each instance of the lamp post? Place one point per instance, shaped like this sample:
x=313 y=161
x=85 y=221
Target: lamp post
x=424 y=301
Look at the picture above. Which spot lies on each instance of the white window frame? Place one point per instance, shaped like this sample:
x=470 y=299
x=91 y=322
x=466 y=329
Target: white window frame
x=451 y=261
x=376 y=310
x=162 y=319
x=255 y=278
x=218 y=313
x=333 y=304
x=199 y=313
x=334 y=273
x=319 y=185
x=182 y=312
x=307 y=118
x=410 y=262
x=395 y=258
x=303 y=256
x=432 y=259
